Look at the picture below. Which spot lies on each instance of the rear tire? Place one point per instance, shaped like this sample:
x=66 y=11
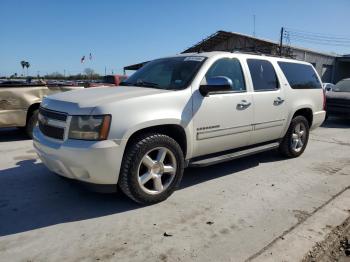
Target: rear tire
x=32 y=121
x=295 y=141
x=152 y=168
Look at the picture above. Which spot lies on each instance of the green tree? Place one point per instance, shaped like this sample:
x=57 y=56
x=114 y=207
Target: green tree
x=89 y=71
x=23 y=64
x=27 y=65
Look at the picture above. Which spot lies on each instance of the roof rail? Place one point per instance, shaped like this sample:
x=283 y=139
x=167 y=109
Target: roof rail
x=259 y=53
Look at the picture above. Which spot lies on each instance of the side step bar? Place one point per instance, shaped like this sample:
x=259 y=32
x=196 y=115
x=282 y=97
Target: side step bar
x=231 y=156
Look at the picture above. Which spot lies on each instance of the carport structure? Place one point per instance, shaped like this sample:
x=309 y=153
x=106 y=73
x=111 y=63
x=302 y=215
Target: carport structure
x=342 y=68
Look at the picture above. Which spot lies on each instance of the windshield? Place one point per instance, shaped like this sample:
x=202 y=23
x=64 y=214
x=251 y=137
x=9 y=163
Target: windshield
x=167 y=73
x=342 y=86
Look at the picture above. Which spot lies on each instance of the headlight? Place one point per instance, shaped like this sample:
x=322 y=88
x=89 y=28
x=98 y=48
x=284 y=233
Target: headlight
x=89 y=127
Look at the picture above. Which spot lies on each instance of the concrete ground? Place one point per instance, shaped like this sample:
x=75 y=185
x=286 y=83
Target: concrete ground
x=234 y=211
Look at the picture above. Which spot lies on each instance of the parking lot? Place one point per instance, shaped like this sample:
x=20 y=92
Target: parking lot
x=236 y=211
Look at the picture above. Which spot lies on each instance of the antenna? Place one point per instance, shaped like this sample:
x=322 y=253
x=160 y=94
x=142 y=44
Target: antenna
x=254 y=25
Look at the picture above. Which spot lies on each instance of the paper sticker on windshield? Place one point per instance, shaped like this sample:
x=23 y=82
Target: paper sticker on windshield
x=194 y=58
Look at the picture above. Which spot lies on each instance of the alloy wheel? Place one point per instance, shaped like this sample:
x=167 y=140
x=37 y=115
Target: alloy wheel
x=298 y=137
x=157 y=170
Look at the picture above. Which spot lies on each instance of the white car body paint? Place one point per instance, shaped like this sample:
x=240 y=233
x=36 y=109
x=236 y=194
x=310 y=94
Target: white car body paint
x=211 y=124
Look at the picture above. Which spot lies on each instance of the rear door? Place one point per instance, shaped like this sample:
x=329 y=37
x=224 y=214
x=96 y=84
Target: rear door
x=269 y=102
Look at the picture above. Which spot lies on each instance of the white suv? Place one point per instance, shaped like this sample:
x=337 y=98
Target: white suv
x=187 y=110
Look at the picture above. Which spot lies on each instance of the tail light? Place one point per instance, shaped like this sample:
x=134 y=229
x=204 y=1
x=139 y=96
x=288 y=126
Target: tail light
x=324 y=99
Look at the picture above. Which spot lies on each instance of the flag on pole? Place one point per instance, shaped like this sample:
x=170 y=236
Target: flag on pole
x=90 y=56
x=82 y=59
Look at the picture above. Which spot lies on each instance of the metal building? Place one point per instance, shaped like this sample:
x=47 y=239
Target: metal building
x=331 y=67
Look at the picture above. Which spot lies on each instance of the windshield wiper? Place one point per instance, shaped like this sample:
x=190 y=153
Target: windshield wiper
x=125 y=83
x=141 y=83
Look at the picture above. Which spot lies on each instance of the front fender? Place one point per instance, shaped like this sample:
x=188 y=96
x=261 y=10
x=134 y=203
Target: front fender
x=160 y=122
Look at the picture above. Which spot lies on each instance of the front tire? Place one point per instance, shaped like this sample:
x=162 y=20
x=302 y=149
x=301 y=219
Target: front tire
x=295 y=141
x=32 y=121
x=152 y=168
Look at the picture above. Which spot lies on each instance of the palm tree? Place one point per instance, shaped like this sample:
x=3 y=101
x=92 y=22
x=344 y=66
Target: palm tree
x=23 y=64
x=27 y=66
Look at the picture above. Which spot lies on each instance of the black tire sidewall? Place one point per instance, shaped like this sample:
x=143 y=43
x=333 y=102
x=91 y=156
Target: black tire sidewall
x=135 y=155
x=31 y=122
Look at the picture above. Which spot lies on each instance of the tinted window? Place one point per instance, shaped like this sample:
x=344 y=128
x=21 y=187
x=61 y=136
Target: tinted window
x=230 y=68
x=342 y=86
x=300 y=76
x=263 y=75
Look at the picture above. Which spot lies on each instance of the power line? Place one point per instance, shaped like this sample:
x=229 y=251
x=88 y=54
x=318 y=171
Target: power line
x=315 y=38
x=333 y=36
x=319 y=38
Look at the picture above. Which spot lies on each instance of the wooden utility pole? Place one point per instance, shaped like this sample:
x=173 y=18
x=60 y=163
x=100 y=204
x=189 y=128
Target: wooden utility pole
x=254 y=26
x=281 y=41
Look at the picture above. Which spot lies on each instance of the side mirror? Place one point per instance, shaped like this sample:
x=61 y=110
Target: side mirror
x=216 y=84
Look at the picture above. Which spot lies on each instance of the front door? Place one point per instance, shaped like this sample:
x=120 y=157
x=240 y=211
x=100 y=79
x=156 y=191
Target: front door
x=223 y=120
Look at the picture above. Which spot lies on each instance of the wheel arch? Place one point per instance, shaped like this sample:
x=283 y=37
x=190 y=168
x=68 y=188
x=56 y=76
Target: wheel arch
x=31 y=109
x=305 y=112
x=175 y=131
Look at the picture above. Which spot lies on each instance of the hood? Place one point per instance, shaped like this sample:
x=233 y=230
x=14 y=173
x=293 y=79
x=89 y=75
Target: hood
x=85 y=100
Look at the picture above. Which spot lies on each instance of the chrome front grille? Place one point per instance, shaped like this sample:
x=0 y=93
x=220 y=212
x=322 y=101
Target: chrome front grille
x=52 y=123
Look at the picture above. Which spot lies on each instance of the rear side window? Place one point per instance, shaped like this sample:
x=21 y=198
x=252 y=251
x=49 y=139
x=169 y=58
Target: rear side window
x=263 y=75
x=300 y=76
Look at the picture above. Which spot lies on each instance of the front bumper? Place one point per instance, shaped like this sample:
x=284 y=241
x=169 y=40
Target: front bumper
x=96 y=162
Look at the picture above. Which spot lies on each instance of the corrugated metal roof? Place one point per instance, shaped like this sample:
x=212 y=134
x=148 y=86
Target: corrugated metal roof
x=213 y=40
x=219 y=36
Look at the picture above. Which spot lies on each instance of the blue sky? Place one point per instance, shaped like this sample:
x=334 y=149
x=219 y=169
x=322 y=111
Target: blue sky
x=54 y=35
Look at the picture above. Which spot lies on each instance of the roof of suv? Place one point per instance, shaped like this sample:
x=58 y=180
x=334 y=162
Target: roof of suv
x=217 y=53
x=241 y=54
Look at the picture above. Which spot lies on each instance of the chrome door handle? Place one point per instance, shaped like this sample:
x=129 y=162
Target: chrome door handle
x=278 y=101
x=243 y=105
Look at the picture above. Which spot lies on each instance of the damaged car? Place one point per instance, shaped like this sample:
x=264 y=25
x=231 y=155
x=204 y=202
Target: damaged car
x=19 y=103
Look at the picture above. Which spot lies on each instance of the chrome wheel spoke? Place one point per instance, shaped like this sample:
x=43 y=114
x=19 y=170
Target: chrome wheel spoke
x=147 y=161
x=157 y=182
x=298 y=137
x=145 y=178
x=169 y=169
x=161 y=155
x=300 y=144
x=301 y=133
x=157 y=170
x=294 y=144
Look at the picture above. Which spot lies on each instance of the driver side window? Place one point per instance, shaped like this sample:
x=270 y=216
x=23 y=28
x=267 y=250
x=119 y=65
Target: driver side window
x=231 y=68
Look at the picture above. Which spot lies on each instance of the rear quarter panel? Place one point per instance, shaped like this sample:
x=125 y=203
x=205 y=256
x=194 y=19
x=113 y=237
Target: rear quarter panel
x=303 y=98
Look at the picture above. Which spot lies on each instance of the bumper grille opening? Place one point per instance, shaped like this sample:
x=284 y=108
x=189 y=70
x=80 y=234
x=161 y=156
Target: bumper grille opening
x=53 y=114
x=50 y=130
